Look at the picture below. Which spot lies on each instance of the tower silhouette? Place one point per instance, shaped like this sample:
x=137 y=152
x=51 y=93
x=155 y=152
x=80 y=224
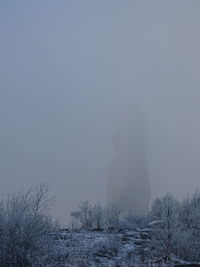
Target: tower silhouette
x=128 y=181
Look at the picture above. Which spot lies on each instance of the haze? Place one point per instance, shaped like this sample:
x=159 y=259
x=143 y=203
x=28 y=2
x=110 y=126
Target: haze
x=70 y=73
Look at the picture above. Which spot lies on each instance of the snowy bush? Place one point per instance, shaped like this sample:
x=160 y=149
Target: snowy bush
x=189 y=217
x=26 y=232
x=164 y=238
x=95 y=217
x=113 y=217
x=176 y=228
x=88 y=217
x=107 y=246
x=98 y=217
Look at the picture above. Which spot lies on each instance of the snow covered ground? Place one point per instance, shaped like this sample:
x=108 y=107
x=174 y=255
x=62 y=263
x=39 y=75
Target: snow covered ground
x=87 y=248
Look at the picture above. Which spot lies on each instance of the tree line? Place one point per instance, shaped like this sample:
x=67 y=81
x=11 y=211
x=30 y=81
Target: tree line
x=29 y=236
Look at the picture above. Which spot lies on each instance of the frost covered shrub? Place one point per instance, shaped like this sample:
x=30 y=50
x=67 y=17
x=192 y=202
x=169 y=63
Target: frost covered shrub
x=78 y=255
x=164 y=238
x=88 y=217
x=132 y=222
x=108 y=246
x=112 y=216
x=189 y=218
x=96 y=218
x=176 y=229
x=26 y=231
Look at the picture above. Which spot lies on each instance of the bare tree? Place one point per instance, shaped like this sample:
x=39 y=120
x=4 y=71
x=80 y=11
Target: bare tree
x=113 y=217
x=164 y=236
x=86 y=215
x=26 y=231
x=98 y=216
x=189 y=217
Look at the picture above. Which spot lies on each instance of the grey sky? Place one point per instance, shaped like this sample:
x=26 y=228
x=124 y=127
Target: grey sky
x=70 y=72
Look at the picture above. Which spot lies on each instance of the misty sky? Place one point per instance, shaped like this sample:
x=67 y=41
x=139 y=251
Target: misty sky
x=70 y=73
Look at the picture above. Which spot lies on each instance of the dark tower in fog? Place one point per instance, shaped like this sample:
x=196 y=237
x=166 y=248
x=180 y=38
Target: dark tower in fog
x=128 y=181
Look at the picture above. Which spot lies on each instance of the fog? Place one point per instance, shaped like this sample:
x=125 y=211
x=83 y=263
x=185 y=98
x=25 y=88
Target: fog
x=128 y=175
x=70 y=73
